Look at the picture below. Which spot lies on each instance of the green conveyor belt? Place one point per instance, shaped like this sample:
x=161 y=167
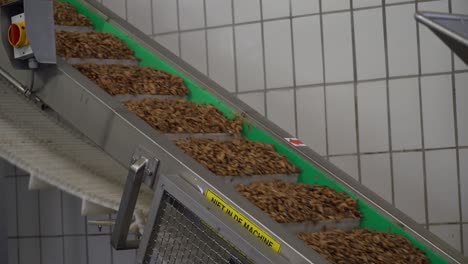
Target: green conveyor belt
x=371 y=219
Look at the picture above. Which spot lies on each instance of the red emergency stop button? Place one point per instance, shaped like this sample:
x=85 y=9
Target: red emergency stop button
x=17 y=35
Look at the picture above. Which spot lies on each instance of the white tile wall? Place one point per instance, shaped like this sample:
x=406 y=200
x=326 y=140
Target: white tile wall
x=11 y=206
x=255 y=100
x=52 y=250
x=249 y=57
x=246 y=10
x=275 y=9
x=281 y=109
x=28 y=208
x=349 y=164
x=372 y=113
x=99 y=249
x=405 y=115
x=218 y=12
x=341 y=119
x=73 y=222
x=117 y=6
x=191 y=14
x=13 y=250
x=29 y=250
x=461 y=84
x=278 y=53
x=50 y=212
x=170 y=42
x=366 y=3
x=398 y=1
x=221 y=57
x=465 y=238
x=435 y=55
x=448 y=233
x=408 y=174
x=139 y=14
x=464 y=183
x=442 y=186
x=375 y=174
x=311 y=118
x=308 y=50
x=402 y=40
x=338 y=48
x=75 y=250
x=333 y=5
x=459 y=7
x=370 y=47
x=438 y=117
x=194 y=54
x=165 y=16
x=302 y=7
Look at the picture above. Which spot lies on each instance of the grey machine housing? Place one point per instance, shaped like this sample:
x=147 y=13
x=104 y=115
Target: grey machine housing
x=40 y=30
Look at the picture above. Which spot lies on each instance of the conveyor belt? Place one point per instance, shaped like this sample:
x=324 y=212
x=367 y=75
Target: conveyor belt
x=56 y=155
x=119 y=133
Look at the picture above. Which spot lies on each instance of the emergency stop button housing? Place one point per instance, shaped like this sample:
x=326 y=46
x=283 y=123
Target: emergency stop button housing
x=17 y=35
x=18 y=38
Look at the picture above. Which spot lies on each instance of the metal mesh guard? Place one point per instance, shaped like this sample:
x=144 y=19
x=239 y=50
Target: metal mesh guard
x=179 y=236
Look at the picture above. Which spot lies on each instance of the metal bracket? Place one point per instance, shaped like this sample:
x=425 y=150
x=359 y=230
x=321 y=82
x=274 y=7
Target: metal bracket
x=152 y=166
x=142 y=169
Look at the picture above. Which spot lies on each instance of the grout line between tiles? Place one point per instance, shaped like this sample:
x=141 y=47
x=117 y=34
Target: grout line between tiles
x=17 y=215
x=316 y=85
x=178 y=29
x=389 y=114
x=206 y=39
x=39 y=225
x=455 y=118
x=356 y=99
x=152 y=17
x=398 y=151
x=324 y=87
x=63 y=226
x=86 y=238
x=109 y=217
x=262 y=32
x=126 y=10
x=293 y=54
x=423 y=146
x=234 y=47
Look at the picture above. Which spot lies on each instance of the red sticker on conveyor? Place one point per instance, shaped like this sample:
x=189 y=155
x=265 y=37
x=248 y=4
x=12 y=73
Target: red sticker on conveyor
x=296 y=142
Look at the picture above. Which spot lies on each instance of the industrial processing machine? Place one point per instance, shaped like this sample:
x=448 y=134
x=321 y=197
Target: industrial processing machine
x=183 y=211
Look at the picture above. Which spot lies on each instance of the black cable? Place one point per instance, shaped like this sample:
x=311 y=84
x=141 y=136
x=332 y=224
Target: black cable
x=29 y=90
x=33 y=79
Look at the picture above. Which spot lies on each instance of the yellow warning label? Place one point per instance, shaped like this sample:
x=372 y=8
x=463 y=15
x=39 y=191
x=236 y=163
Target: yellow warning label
x=242 y=220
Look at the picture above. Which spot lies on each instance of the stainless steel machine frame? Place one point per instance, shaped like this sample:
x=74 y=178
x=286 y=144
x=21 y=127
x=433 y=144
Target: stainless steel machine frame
x=450 y=28
x=143 y=169
x=119 y=132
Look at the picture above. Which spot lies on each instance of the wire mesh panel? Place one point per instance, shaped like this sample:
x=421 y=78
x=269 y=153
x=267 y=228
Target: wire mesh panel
x=179 y=236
